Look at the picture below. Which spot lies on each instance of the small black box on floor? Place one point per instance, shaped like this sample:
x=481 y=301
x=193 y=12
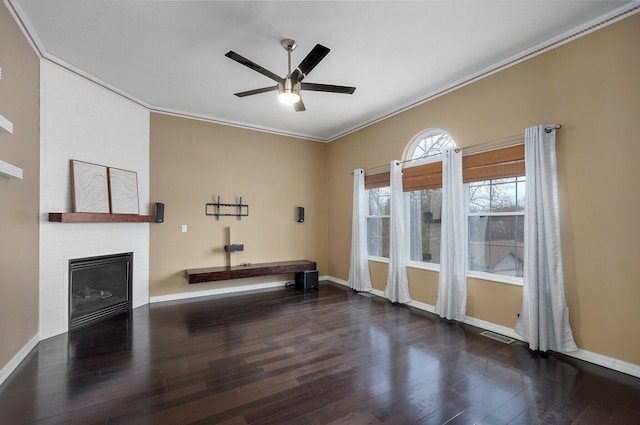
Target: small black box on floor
x=307 y=280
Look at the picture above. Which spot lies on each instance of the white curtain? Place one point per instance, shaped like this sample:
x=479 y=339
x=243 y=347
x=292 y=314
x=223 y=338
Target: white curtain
x=359 y=277
x=415 y=227
x=397 y=289
x=452 y=285
x=544 y=319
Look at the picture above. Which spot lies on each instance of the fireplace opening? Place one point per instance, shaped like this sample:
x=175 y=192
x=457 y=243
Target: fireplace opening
x=99 y=287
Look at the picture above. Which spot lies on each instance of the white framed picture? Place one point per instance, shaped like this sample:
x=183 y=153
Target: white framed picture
x=123 y=191
x=89 y=187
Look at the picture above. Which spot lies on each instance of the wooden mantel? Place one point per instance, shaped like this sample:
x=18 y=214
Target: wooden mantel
x=57 y=217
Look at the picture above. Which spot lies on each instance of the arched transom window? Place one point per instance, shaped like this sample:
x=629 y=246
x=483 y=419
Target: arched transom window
x=429 y=143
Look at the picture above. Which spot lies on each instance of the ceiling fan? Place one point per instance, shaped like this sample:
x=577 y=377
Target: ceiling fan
x=289 y=87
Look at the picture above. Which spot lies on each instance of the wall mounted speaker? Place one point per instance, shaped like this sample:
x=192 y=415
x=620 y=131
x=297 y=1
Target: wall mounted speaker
x=159 y=212
x=300 y=214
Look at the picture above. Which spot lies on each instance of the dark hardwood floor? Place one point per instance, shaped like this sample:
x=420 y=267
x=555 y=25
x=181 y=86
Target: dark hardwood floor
x=324 y=357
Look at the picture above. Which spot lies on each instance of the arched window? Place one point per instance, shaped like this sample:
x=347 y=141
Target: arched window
x=429 y=143
x=425 y=201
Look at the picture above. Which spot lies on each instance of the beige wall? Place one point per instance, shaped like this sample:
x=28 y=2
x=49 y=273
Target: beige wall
x=592 y=87
x=19 y=103
x=192 y=162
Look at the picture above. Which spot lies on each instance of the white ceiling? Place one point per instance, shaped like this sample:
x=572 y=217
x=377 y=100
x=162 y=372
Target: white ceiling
x=169 y=55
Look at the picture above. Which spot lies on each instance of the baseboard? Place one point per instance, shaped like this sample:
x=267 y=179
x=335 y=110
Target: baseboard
x=229 y=290
x=378 y=293
x=219 y=291
x=333 y=279
x=338 y=281
x=488 y=326
x=18 y=358
x=605 y=361
x=421 y=306
x=587 y=356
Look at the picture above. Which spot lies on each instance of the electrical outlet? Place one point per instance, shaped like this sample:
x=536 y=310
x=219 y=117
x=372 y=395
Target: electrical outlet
x=184 y=228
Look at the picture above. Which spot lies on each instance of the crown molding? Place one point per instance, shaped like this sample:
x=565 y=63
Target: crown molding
x=230 y=123
x=94 y=80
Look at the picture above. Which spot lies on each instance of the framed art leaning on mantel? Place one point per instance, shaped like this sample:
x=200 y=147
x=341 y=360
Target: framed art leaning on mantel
x=89 y=187
x=123 y=191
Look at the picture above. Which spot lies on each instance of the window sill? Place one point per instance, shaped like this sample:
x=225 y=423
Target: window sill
x=492 y=277
x=424 y=266
x=379 y=259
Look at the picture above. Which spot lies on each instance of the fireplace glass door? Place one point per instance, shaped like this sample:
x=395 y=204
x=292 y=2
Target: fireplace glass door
x=99 y=287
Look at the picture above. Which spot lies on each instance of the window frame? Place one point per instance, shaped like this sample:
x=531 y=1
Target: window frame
x=376 y=257
x=414 y=162
x=425 y=265
x=475 y=274
x=431 y=132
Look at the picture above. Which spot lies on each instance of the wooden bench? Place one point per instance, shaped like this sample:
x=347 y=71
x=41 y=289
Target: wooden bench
x=212 y=274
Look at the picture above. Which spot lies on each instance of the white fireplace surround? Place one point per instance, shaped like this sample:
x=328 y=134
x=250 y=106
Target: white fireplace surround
x=81 y=120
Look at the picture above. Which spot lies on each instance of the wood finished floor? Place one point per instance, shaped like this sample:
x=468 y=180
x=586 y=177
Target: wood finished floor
x=325 y=357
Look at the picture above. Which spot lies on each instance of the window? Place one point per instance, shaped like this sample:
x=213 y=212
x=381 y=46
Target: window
x=495 y=184
x=423 y=181
x=425 y=208
x=496 y=226
x=378 y=222
x=430 y=143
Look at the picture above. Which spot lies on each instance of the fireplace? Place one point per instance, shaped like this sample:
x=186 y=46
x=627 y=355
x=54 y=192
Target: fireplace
x=99 y=287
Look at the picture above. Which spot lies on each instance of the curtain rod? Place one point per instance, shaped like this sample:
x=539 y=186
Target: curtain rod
x=549 y=129
x=383 y=168
x=504 y=139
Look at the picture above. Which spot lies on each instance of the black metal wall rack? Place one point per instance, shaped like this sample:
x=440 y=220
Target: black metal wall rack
x=217 y=209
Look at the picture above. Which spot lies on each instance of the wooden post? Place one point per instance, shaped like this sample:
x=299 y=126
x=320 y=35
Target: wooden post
x=229 y=243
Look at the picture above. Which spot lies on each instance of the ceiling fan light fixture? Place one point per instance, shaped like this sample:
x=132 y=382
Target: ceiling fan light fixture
x=290 y=87
x=288 y=91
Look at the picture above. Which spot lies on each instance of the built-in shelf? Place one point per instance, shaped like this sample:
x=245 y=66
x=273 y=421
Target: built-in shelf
x=9 y=170
x=6 y=126
x=57 y=217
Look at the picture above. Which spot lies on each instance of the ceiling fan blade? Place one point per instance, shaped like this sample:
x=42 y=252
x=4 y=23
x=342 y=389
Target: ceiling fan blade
x=328 y=88
x=256 y=91
x=251 y=64
x=299 y=106
x=309 y=62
